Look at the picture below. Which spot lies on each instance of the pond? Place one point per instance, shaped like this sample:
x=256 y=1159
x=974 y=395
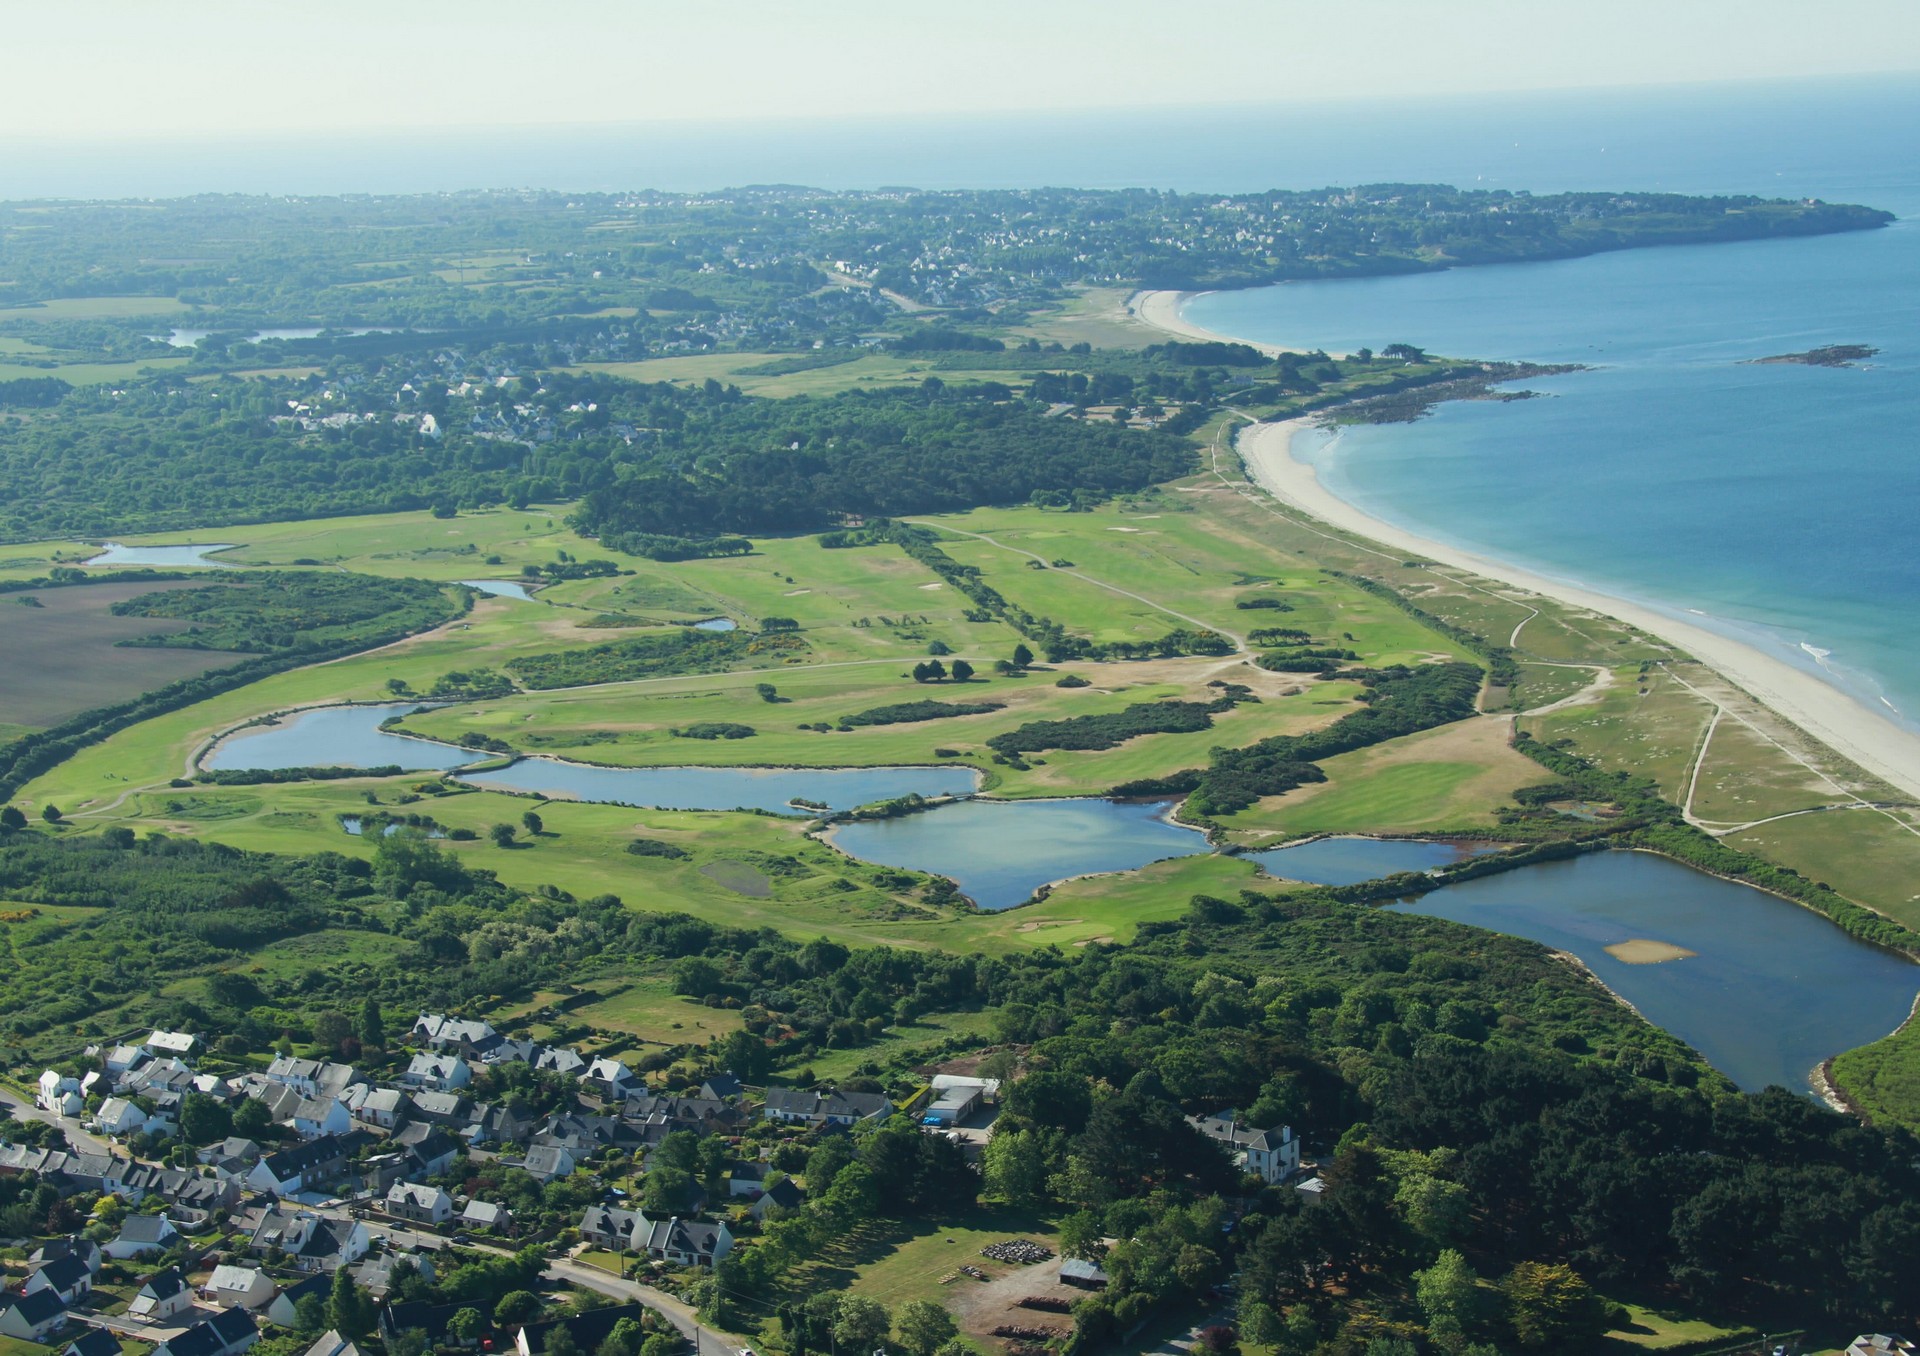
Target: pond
x=717 y=624
x=336 y=736
x=353 y=825
x=1001 y=851
x=500 y=588
x=185 y=338
x=1348 y=861
x=158 y=557
x=1762 y=987
x=727 y=788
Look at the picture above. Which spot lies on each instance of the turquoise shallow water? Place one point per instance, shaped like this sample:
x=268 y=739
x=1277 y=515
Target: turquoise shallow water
x=1777 y=500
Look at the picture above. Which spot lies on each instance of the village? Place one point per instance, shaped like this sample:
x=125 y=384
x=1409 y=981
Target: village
x=165 y=1238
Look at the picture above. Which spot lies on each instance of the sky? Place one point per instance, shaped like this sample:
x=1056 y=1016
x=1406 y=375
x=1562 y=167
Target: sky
x=120 y=70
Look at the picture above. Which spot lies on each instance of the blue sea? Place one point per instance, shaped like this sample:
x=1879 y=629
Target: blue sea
x=1780 y=502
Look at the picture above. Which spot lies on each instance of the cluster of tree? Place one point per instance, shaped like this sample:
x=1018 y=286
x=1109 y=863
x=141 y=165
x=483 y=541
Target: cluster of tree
x=934 y=671
x=262 y=611
x=714 y=729
x=803 y=464
x=1109 y=730
x=659 y=653
x=906 y=713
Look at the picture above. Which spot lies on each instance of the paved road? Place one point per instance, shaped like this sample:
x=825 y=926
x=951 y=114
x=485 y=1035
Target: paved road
x=77 y=1136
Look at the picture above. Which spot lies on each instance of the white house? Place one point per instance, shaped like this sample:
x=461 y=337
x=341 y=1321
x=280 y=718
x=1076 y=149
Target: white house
x=685 y=1242
x=178 y=1044
x=244 y=1287
x=69 y=1278
x=423 y=1204
x=1272 y=1155
x=313 y=1117
x=549 y=1162
x=60 y=1094
x=300 y=1168
x=31 y=1318
x=440 y=1073
x=487 y=1215
x=227 y=1332
x=119 y=1116
x=955 y=1098
x=332 y=1343
x=93 y=1342
x=830 y=1108
x=162 y=1297
x=610 y=1078
x=382 y=1107
x=142 y=1236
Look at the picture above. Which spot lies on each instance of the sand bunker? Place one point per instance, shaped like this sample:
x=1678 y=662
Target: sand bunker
x=930 y=587
x=1640 y=951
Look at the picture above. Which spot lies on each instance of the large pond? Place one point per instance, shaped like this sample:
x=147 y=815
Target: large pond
x=1001 y=851
x=728 y=788
x=1348 y=861
x=185 y=338
x=158 y=557
x=335 y=736
x=1763 y=988
x=500 y=588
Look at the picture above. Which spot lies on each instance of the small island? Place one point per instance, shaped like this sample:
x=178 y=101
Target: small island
x=1833 y=355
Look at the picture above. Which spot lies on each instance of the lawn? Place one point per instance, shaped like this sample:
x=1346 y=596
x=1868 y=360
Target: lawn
x=1655 y=735
x=1447 y=778
x=650 y=1010
x=1651 y=1330
x=897 y=1261
x=95 y=308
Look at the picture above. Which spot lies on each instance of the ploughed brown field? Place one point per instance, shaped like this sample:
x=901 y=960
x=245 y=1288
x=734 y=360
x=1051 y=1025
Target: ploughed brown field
x=61 y=658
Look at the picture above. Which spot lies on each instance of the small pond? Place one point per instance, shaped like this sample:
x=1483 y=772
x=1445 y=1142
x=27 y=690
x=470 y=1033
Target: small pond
x=1001 y=851
x=727 y=788
x=336 y=736
x=352 y=824
x=158 y=557
x=717 y=624
x=500 y=588
x=1761 y=987
x=1348 y=861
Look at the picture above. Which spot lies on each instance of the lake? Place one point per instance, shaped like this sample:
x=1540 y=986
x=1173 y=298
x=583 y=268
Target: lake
x=1348 y=861
x=1761 y=987
x=500 y=588
x=336 y=736
x=727 y=788
x=1001 y=851
x=159 y=557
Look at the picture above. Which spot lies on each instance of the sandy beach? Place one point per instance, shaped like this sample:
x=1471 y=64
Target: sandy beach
x=1823 y=712
x=1161 y=310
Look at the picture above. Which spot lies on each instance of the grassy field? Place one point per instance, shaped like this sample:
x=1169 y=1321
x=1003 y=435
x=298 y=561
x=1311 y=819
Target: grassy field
x=872 y=371
x=1093 y=315
x=1651 y=726
x=1650 y=1330
x=1742 y=779
x=1448 y=778
x=1863 y=854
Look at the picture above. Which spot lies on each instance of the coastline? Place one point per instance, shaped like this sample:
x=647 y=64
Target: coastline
x=1821 y=711
x=1160 y=310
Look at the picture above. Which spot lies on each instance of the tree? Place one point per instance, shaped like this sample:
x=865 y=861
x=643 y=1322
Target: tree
x=503 y=835
x=1550 y=1305
x=962 y=670
x=825 y=1164
x=534 y=824
x=1448 y=1289
x=667 y=1191
x=560 y=1342
x=938 y=647
x=860 y=1324
x=204 y=1119
x=1022 y=656
x=408 y=1342
x=232 y=989
x=925 y=1327
x=768 y=692
x=465 y=1326
x=331 y=1030
x=349 y=1308
x=373 y=1024
x=11 y=818
x=51 y=813
x=1016 y=1168
x=252 y=1119
x=310 y=1314
x=516 y=1307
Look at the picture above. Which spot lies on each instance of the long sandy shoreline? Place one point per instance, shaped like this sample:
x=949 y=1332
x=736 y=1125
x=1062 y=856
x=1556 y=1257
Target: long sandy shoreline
x=1823 y=712
x=1161 y=310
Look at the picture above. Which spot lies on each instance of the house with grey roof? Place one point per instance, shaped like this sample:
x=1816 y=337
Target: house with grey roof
x=32 y=1318
x=142 y=1236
